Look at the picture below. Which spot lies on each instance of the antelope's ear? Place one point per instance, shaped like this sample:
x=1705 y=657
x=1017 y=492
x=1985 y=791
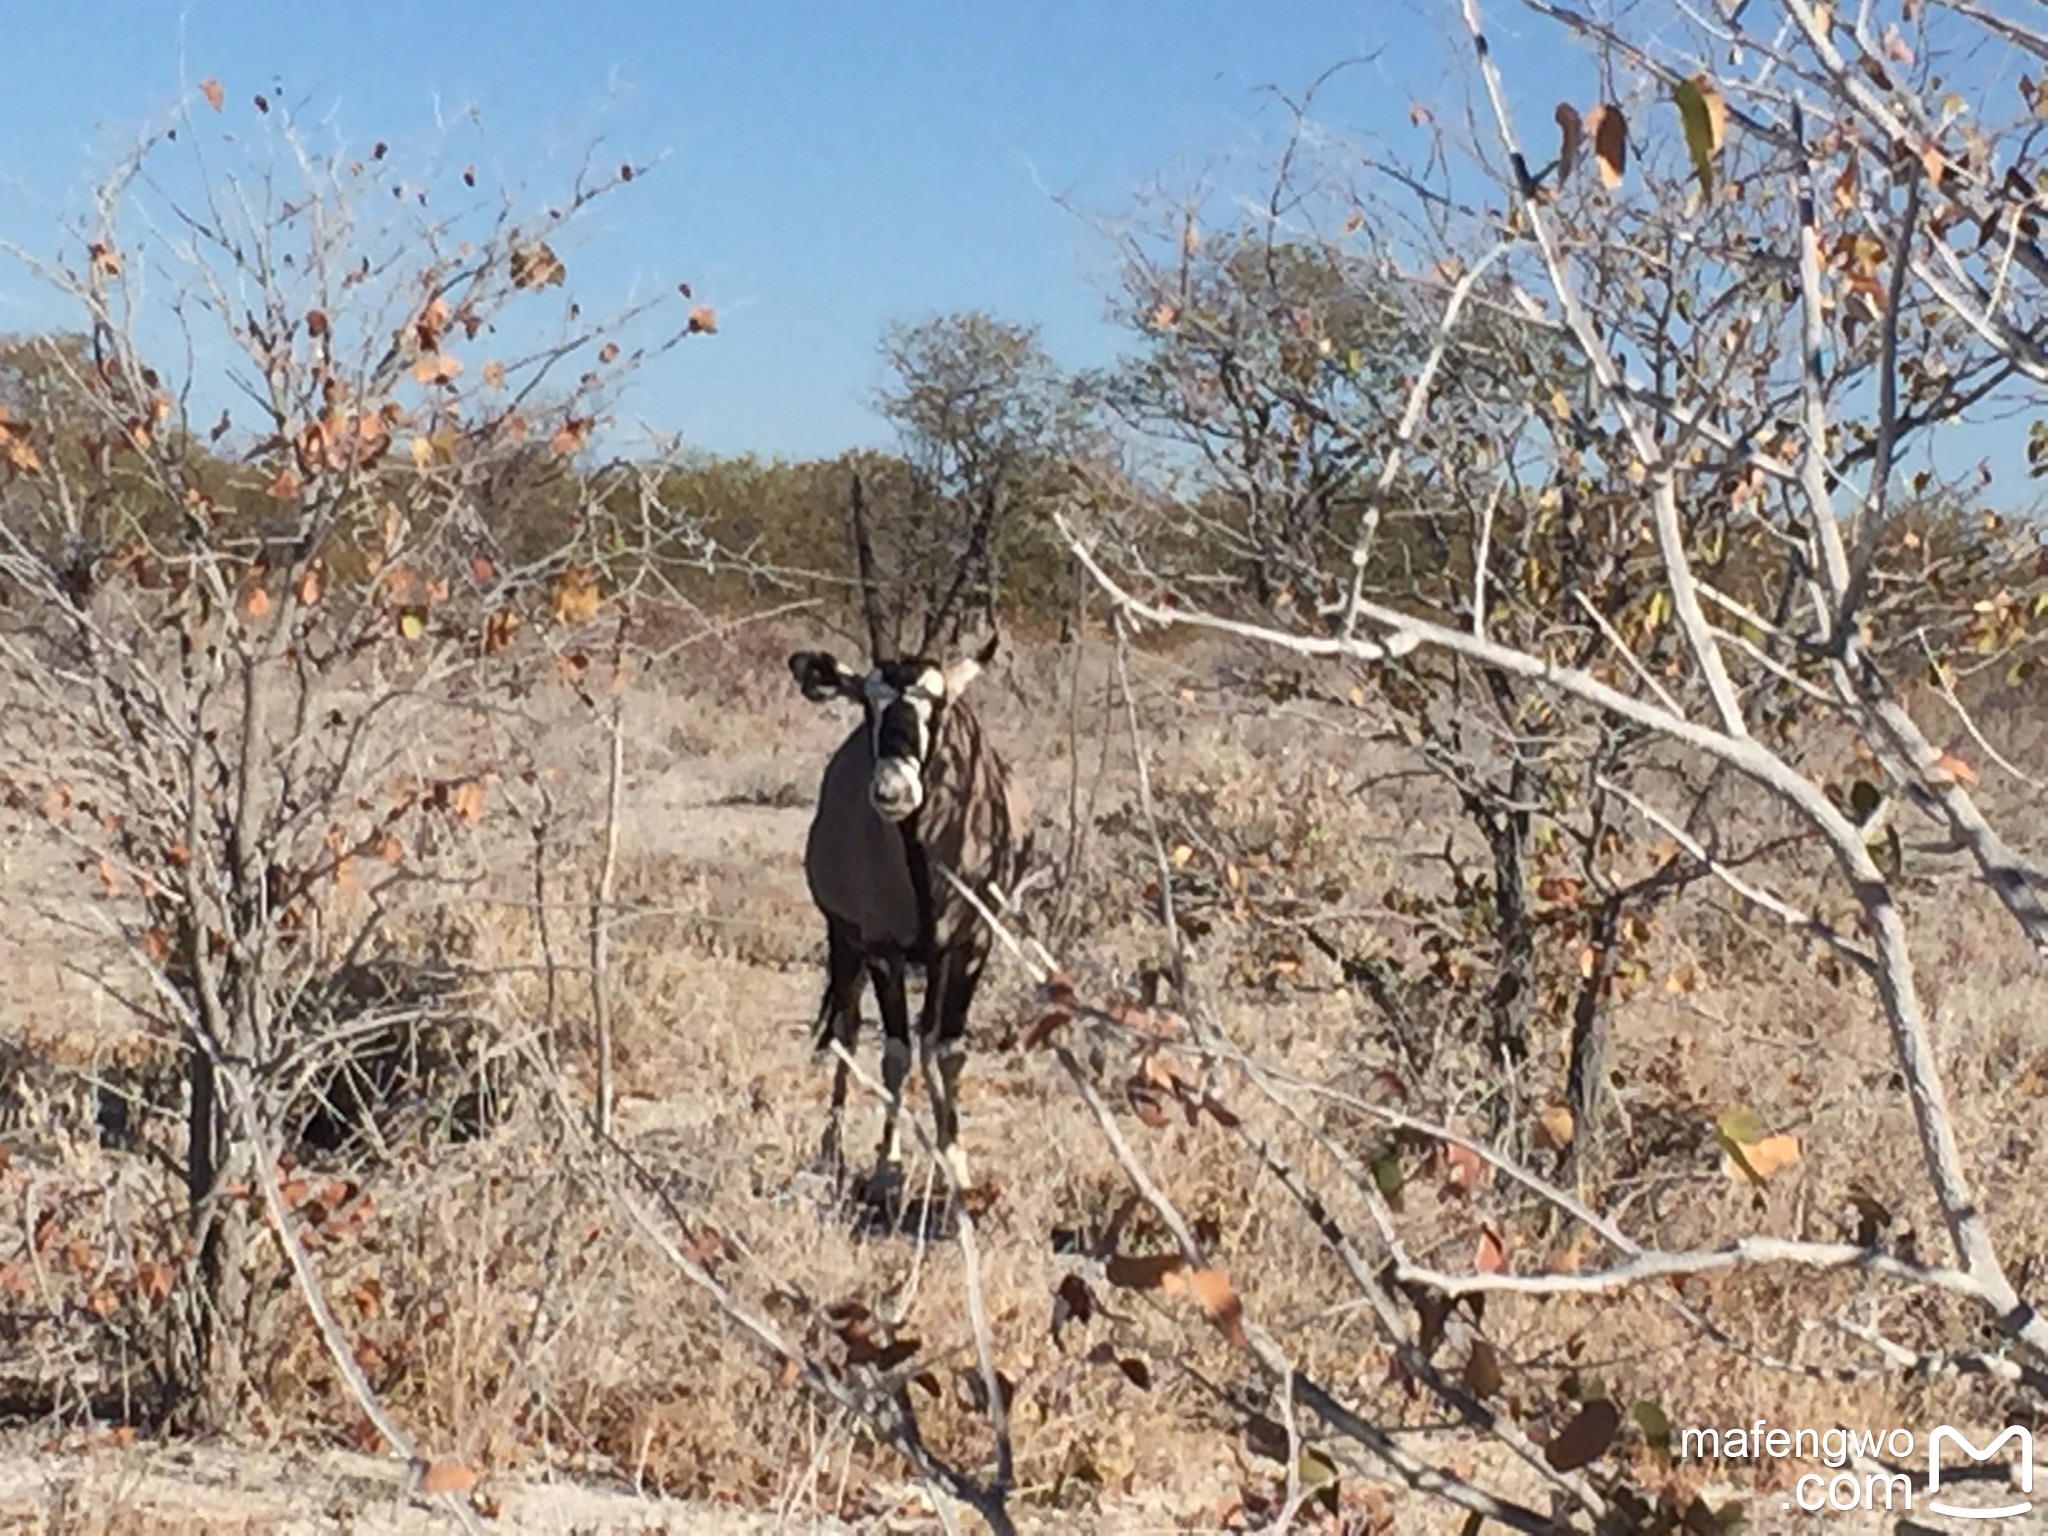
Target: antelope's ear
x=967 y=668
x=821 y=678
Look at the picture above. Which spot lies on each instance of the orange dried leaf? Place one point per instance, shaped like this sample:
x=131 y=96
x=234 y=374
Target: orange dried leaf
x=210 y=89
x=467 y=801
x=1492 y=1256
x=436 y=368
x=1555 y=1128
x=576 y=597
x=499 y=630
x=1609 y=132
x=14 y=444
x=447 y=1476
x=1145 y=1104
x=1050 y=1023
x=1468 y=1168
x=1212 y=1292
x=704 y=320
x=570 y=436
x=1758 y=1160
x=1956 y=768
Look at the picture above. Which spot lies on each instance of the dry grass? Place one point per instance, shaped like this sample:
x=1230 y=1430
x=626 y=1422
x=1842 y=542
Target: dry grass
x=509 y=1321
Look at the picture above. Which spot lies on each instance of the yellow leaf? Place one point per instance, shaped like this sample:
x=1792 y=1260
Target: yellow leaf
x=1705 y=118
x=422 y=452
x=1181 y=854
x=1740 y=1123
x=412 y=622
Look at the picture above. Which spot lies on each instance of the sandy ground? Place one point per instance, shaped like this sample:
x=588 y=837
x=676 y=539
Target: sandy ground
x=201 y=1491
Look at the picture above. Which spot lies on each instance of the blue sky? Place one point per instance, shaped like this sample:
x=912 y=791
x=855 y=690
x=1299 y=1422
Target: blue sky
x=830 y=167
x=826 y=167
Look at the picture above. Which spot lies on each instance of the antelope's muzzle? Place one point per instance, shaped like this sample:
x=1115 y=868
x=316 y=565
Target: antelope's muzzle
x=897 y=790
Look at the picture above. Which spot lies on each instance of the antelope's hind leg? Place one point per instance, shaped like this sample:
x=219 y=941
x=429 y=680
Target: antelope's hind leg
x=839 y=1021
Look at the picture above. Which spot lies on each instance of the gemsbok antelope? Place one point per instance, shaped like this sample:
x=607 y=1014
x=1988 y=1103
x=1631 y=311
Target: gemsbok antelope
x=916 y=787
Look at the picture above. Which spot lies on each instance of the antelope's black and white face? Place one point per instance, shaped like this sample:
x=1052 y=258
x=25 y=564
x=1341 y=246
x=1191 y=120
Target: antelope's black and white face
x=904 y=700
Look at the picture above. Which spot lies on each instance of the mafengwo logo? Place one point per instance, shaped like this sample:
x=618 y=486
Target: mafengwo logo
x=2023 y=1472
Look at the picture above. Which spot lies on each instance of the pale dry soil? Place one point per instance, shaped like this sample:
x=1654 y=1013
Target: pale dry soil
x=213 y=1491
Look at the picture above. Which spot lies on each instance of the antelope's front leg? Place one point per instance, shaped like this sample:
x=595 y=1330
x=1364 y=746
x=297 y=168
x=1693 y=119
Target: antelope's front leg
x=950 y=997
x=888 y=1175
x=942 y=1077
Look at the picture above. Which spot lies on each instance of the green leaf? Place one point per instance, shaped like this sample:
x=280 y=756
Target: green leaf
x=1741 y=1124
x=1315 y=1470
x=1386 y=1173
x=1655 y=1425
x=1705 y=116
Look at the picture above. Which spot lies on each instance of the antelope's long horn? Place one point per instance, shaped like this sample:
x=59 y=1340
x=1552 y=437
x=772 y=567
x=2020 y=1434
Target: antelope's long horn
x=864 y=562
